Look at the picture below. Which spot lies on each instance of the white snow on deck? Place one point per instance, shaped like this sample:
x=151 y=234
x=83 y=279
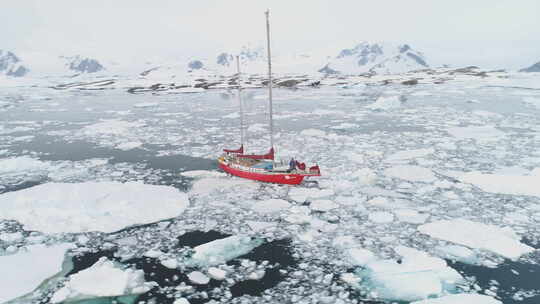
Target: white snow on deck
x=503 y=241
x=91 y=206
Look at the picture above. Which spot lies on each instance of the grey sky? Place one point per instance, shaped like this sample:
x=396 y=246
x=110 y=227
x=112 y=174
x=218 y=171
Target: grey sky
x=487 y=33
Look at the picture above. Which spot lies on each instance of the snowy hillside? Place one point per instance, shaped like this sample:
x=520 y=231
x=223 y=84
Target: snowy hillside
x=11 y=65
x=380 y=58
x=533 y=68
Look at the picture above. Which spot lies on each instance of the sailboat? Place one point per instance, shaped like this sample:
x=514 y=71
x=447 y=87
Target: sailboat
x=263 y=167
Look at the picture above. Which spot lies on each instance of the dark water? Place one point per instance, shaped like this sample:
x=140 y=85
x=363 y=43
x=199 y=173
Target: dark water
x=277 y=253
x=507 y=278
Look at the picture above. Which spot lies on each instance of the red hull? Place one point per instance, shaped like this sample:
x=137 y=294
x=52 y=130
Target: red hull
x=277 y=178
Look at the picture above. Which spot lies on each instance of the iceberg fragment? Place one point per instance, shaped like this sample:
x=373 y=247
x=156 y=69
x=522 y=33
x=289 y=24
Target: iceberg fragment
x=222 y=250
x=104 y=278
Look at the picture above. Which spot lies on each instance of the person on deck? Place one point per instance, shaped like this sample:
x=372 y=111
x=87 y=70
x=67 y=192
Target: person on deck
x=292 y=164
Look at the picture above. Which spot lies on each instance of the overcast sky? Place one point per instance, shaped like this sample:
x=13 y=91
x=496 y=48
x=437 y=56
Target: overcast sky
x=491 y=34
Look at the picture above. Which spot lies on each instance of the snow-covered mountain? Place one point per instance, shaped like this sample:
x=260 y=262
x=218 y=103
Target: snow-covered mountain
x=46 y=65
x=83 y=64
x=252 y=61
x=11 y=65
x=533 y=68
x=380 y=58
x=247 y=55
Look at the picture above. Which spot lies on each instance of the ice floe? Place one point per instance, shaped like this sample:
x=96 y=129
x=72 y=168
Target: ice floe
x=463 y=298
x=129 y=145
x=381 y=217
x=110 y=127
x=386 y=103
x=198 y=277
x=322 y=205
x=91 y=206
x=217 y=273
x=208 y=185
x=411 y=173
x=313 y=133
x=411 y=216
x=102 y=279
x=409 y=154
x=13 y=165
x=416 y=276
x=485 y=133
x=505 y=183
x=365 y=176
x=301 y=194
x=270 y=206
x=503 y=241
x=222 y=250
x=458 y=253
x=31 y=266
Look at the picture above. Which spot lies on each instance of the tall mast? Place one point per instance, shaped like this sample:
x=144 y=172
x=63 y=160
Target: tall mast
x=267 y=13
x=240 y=102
